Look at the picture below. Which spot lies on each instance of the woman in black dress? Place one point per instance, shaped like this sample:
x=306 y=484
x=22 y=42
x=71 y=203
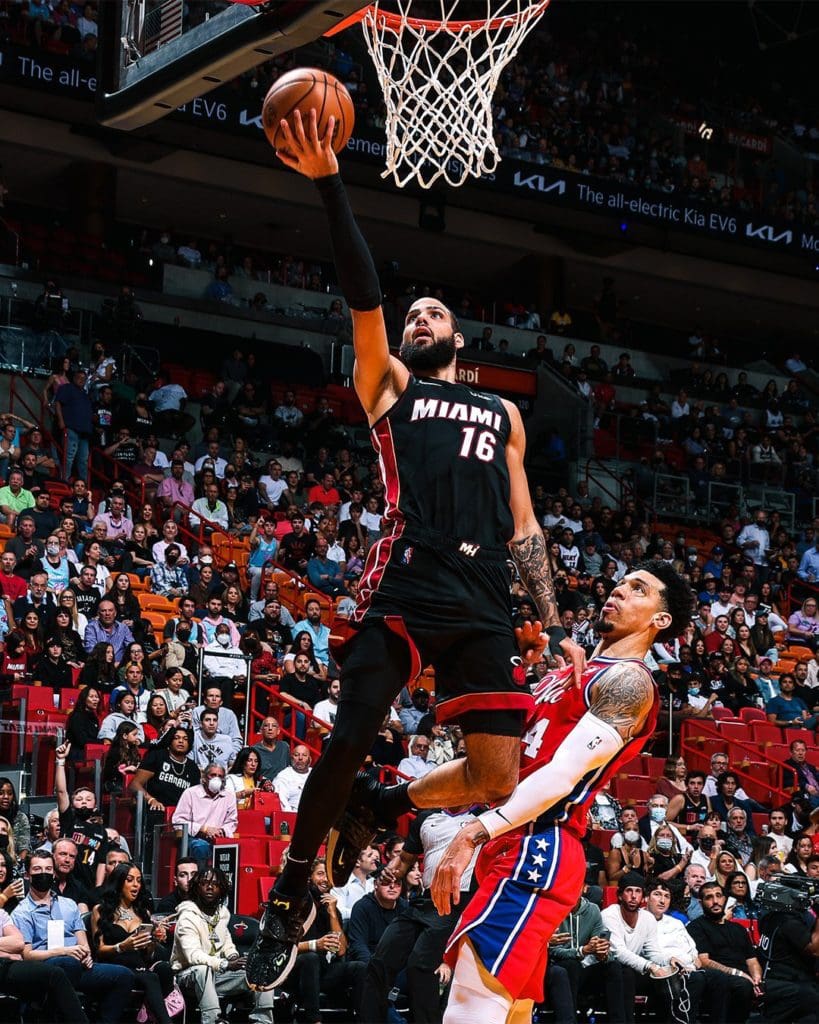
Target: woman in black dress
x=83 y=723
x=122 y=933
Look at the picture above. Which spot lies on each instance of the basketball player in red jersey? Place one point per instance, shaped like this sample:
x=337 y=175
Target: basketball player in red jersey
x=435 y=588
x=532 y=864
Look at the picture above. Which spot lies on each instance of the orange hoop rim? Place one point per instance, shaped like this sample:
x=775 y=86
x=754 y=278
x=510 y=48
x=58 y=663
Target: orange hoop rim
x=395 y=21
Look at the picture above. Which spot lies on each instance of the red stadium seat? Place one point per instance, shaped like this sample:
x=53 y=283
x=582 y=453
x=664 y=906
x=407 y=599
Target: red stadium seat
x=766 y=732
x=749 y=715
x=735 y=730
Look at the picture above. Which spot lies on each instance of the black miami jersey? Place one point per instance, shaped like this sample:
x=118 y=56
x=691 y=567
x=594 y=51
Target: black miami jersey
x=442 y=449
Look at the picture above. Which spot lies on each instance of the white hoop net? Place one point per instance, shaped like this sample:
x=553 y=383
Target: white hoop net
x=438 y=82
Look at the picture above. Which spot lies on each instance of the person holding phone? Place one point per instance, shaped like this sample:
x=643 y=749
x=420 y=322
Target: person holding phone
x=122 y=933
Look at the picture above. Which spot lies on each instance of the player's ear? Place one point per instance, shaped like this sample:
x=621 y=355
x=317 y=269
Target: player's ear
x=661 y=620
x=458 y=338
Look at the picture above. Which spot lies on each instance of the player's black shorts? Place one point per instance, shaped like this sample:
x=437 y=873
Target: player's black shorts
x=453 y=610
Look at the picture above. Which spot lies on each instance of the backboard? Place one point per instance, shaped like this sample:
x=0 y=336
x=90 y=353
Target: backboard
x=159 y=54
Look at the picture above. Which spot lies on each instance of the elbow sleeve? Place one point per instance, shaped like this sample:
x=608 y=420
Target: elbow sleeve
x=354 y=264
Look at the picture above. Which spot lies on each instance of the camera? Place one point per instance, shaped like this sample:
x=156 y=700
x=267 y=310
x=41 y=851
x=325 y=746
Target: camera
x=789 y=894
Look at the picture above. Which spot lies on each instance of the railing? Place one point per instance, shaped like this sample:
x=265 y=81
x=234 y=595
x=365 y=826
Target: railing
x=23 y=395
x=596 y=471
x=691 y=731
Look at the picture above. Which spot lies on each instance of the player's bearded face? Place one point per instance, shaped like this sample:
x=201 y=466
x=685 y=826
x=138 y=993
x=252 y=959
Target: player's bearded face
x=429 y=354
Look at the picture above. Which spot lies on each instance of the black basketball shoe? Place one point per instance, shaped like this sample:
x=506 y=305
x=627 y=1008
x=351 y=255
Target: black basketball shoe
x=355 y=829
x=273 y=954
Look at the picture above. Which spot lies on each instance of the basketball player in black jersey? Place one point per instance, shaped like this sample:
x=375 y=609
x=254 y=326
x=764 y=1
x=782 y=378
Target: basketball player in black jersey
x=435 y=588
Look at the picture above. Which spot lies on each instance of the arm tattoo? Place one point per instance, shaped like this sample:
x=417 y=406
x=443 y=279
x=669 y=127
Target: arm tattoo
x=532 y=561
x=624 y=695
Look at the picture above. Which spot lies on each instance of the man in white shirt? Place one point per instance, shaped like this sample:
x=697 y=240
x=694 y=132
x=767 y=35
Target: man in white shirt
x=416 y=766
x=212 y=457
x=784 y=844
x=755 y=540
x=210 y=509
x=635 y=945
x=289 y=783
x=272 y=485
x=325 y=710
x=677 y=947
x=360 y=883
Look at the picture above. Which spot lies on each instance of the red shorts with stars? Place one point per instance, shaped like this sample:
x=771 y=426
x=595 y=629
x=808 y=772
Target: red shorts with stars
x=527 y=886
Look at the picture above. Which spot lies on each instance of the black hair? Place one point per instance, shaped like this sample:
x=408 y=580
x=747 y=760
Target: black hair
x=241 y=760
x=658 y=883
x=195 y=891
x=676 y=594
x=711 y=885
x=631 y=879
x=695 y=773
x=15 y=806
x=724 y=776
x=109 y=901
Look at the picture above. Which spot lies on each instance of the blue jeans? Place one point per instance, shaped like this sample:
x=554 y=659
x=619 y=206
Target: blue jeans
x=201 y=850
x=76 y=447
x=109 y=985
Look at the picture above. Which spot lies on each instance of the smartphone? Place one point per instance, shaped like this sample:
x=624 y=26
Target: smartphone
x=144 y=929
x=605 y=934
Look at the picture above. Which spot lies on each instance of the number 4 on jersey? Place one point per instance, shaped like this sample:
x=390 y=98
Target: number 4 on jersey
x=534 y=737
x=483 y=448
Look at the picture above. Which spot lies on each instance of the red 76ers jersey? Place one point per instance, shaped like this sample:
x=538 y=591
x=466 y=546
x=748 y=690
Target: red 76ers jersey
x=557 y=712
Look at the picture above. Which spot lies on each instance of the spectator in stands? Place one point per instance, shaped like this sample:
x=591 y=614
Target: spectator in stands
x=227 y=722
x=634 y=945
x=122 y=933
x=224 y=661
x=210 y=509
x=66 y=882
x=803 y=624
x=186 y=869
x=166 y=771
x=725 y=947
x=416 y=765
x=170 y=532
x=14 y=498
x=209 y=810
x=297 y=546
x=124 y=711
x=214 y=618
x=208 y=963
x=245 y=777
x=688 y=810
x=726 y=798
x=12 y=585
x=809 y=565
x=27 y=549
x=263 y=548
x=361 y=882
x=36 y=599
x=168 y=578
x=325 y=710
x=82 y=726
x=100 y=669
x=324 y=573
x=371 y=916
x=273 y=752
x=788 y=710
x=302 y=689
x=315 y=973
x=74 y=413
x=418 y=708
x=109 y=985
x=211 y=746
x=803 y=775
x=289 y=782
x=105 y=629
x=319 y=633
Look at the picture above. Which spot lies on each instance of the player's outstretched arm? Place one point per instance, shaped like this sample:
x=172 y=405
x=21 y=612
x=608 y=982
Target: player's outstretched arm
x=379 y=378
x=618 y=710
x=528 y=549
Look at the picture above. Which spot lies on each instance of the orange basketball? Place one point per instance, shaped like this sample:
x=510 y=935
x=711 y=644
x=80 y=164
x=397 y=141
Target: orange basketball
x=303 y=89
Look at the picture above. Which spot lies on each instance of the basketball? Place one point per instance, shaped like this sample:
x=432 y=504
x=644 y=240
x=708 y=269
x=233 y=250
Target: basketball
x=303 y=89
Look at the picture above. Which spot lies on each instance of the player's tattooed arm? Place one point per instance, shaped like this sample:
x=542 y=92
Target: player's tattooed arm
x=623 y=697
x=532 y=561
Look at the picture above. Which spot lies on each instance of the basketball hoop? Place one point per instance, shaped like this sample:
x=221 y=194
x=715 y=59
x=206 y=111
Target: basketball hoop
x=438 y=80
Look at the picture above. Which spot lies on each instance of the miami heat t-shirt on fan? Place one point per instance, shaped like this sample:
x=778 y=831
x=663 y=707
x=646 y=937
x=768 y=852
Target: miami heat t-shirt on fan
x=92 y=845
x=170 y=778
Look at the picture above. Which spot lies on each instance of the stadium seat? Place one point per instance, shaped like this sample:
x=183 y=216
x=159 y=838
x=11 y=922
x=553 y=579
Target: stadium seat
x=251 y=823
x=799 y=734
x=766 y=732
x=734 y=729
x=722 y=714
x=749 y=715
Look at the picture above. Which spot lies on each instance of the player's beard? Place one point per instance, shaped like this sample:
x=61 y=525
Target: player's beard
x=603 y=626
x=433 y=355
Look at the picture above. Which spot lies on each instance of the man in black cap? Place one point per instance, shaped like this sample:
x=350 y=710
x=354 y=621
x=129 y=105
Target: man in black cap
x=715 y=562
x=411 y=716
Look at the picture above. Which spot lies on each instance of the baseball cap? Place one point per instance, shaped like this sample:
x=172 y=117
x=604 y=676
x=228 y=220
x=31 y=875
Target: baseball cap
x=231 y=565
x=717 y=549
x=584 y=576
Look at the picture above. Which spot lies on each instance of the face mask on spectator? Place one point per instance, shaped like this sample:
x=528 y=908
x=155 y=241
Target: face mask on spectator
x=706 y=845
x=83 y=813
x=665 y=845
x=657 y=813
x=215 y=784
x=43 y=882
x=53 y=549
x=223 y=639
x=632 y=836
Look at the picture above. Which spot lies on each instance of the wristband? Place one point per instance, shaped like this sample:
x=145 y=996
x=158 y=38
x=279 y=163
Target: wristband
x=556 y=634
x=60 y=761
x=312 y=946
